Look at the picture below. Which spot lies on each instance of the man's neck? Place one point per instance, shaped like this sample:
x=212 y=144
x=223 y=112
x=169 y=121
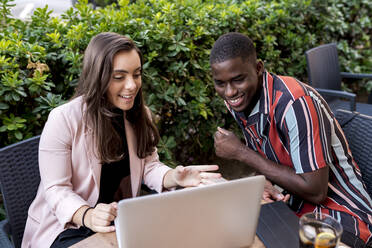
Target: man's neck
x=254 y=101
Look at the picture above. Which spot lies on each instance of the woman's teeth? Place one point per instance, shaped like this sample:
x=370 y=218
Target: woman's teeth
x=127 y=97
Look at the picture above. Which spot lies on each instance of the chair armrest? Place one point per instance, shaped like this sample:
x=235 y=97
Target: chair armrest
x=359 y=76
x=356 y=75
x=342 y=94
x=338 y=93
x=4 y=235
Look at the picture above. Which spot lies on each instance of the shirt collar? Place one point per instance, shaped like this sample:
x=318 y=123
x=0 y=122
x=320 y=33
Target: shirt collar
x=256 y=108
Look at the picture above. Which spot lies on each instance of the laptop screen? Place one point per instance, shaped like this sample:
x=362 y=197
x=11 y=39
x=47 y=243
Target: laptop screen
x=218 y=215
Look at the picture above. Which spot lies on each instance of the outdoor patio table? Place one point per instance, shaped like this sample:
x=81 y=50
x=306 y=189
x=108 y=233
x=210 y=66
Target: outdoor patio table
x=108 y=240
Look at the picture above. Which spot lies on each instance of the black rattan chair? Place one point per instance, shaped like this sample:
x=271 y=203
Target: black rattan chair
x=357 y=129
x=19 y=180
x=324 y=74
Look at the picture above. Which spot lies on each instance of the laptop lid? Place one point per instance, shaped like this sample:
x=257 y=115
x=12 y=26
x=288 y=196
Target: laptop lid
x=220 y=215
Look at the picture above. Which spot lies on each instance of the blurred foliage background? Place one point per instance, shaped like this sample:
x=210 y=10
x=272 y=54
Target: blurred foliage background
x=40 y=59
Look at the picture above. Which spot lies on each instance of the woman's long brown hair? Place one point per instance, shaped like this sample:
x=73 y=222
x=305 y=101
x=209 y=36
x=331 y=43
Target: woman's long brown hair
x=93 y=85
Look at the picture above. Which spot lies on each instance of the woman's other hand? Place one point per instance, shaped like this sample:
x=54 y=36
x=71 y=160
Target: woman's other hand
x=99 y=219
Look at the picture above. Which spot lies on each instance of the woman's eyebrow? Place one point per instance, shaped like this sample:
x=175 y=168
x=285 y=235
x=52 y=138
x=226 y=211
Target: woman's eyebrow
x=120 y=70
x=125 y=71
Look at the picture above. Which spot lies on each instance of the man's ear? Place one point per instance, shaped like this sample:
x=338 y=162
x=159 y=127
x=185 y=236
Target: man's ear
x=260 y=67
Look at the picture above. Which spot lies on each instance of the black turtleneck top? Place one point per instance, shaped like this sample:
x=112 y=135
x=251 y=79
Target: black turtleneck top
x=113 y=173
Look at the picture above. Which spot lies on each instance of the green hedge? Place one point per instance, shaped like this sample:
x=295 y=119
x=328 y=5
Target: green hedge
x=40 y=59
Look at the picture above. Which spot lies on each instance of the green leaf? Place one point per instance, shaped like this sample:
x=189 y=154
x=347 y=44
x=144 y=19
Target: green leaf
x=4 y=106
x=16 y=97
x=12 y=127
x=18 y=135
x=181 y=102
x=170 y=143
x=204 y=114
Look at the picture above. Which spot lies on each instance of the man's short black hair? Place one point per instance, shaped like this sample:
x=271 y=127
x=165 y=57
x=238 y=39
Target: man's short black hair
x=230 y=46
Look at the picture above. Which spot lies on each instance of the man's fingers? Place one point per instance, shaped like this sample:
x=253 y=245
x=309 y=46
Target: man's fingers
x=268 y=184
x=279 y=197
x=274 y=192
x=217 y=135
x=223 y=131
x=267 y=198
x=276 y=195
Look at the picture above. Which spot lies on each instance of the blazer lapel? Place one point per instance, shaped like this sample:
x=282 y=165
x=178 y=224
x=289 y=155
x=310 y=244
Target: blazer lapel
x=94 y=162
x=136 y=164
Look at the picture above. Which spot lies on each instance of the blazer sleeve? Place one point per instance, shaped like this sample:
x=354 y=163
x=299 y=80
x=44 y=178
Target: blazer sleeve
x=55 y=165
x=154 y=170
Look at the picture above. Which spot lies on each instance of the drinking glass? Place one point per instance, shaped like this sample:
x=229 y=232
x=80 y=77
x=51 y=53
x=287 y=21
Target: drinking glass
x=319 y=230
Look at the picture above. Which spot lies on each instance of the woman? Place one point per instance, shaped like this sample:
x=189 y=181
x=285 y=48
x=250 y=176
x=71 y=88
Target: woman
x=98 y=148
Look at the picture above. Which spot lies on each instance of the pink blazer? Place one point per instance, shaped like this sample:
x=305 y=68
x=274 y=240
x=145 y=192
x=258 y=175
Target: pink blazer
x=70 y=174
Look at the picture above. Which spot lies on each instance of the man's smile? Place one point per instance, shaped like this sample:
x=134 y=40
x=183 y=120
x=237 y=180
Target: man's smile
x=236 y=101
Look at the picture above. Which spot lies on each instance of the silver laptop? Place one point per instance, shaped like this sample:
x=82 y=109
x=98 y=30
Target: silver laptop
x=221 y=215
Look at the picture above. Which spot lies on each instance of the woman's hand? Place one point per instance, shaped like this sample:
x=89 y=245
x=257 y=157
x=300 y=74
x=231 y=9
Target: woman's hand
x=272 y=194
x=99 y=219
x=191 y=176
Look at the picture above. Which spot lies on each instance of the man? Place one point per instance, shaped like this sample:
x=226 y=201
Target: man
x=291 y=137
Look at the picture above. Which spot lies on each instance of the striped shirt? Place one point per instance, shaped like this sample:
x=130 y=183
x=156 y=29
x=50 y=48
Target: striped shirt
x=292 y=125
